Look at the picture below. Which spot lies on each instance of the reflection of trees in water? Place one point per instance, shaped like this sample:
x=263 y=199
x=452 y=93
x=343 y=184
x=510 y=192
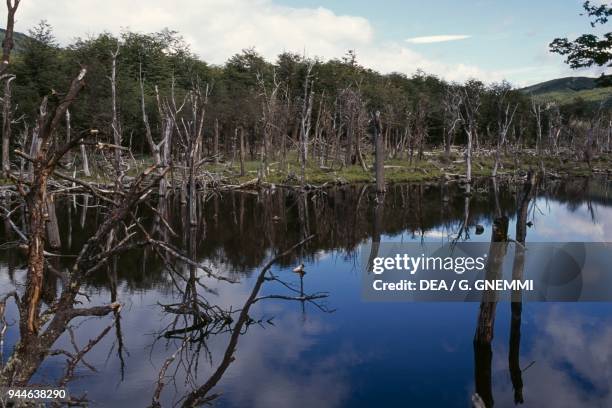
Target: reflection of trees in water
x=63 y=303
x=50 y=304
x=200 y=320
x=241 y=230
x=485 y=328
x=237 y=230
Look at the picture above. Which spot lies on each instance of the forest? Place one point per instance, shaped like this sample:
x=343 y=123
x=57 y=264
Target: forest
x=295 y=120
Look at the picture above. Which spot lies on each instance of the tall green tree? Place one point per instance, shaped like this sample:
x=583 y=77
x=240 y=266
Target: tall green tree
x=589 y=49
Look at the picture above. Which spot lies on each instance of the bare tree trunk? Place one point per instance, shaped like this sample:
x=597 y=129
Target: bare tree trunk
x=116 y=126
x=6 y=126
x=516 y=306
x=86 y=170
x=468 y=158
x=53 y=234
x=216 y=142
x=305 y=124
x=536 y=109
x=486 y=319
x=362 y=162
x=380 y=154
x=34 y=145
x=241 y=153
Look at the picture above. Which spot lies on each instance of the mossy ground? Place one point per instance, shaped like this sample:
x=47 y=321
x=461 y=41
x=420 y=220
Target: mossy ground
x=432 y=167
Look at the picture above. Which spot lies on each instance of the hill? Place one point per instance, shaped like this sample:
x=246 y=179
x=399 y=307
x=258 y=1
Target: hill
x=18 y=38
x=568 y=90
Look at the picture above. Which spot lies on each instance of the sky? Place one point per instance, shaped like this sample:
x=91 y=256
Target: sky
x=454 y=39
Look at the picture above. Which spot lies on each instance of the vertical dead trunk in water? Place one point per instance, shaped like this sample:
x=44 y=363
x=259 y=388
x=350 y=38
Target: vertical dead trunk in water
x=44 y=163
x=486 y=319
x=380 y=154
x=6 y=126
x=376 y=230
x=517 y=274
x=36 y=202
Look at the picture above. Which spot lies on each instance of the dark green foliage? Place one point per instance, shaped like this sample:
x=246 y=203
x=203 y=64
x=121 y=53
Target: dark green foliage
x=237 y=91
x=588 y=49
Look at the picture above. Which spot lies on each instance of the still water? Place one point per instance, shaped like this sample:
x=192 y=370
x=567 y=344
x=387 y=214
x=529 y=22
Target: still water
x=338 y=351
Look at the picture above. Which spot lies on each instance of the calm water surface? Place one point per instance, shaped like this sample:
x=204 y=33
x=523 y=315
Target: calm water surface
x=348 y=353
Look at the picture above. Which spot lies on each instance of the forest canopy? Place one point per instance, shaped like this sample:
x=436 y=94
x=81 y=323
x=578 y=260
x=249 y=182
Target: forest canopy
x=237 y=89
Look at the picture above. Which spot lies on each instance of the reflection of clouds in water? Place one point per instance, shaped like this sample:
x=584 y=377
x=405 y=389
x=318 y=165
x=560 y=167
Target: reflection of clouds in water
x=8 y=286
x=270 y=368
x=573 y=363
x=560 y=224
x=436 y=234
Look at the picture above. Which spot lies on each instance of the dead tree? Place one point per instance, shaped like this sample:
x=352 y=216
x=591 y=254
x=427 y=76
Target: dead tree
x=305 y=121
x=271 y=121
x=216 y=142
x=7 y=43
x=486 y=317
x=34 y=192
x=241 y=153
x=554 y=129
x=452 y=118
x=355 y=118
x=160 y=151
x=115 y=124
x=504 y=122
x=7 y=119
x=7 y=47
x=380 y=154
x=516 y=305
x=470 y=116
x=84 y=158
x=536 y=111
x=420 y=129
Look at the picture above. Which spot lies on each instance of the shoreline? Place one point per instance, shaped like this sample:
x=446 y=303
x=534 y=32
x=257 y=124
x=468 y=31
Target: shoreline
x=226 y=176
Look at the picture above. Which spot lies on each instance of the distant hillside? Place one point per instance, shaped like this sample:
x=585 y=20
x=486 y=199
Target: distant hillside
x=18 y=38
x=567 y=90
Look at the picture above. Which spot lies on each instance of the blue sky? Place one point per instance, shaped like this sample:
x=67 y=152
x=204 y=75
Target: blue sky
x=507 y=36
x=500 y=39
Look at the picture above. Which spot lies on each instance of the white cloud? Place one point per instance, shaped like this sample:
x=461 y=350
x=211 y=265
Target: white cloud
x=436 y=39
x=217 y=29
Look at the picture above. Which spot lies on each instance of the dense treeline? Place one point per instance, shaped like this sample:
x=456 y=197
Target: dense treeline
x=320 y=109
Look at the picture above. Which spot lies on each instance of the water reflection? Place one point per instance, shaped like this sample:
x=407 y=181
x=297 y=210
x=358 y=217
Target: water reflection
x=292 y=354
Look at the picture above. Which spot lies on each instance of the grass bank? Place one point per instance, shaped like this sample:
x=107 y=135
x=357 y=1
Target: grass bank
x=431 y=168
